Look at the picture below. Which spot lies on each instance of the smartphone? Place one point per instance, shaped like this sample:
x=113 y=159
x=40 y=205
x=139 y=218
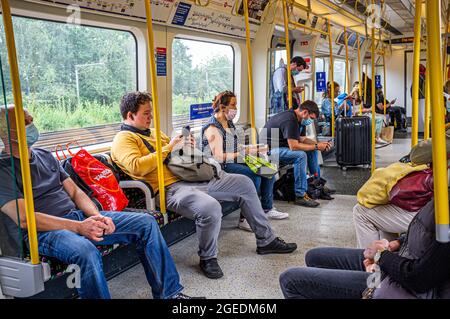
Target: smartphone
x=186 y=131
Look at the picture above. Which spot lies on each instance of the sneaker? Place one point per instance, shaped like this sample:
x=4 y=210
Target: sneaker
x=329 y=191
x=243 y=224
x=211 y=268
x=324 y=195
x=275 y=214
x=277 y=246
x=183 y=296
x=305 y=201
x=381 y=141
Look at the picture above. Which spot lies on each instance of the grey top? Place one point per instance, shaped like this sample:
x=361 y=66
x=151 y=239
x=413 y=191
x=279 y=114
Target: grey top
x=47 y=177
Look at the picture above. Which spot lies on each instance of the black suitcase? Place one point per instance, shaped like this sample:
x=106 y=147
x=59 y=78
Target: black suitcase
x=353 y=141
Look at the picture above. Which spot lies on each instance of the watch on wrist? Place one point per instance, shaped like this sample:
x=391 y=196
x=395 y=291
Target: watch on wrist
x=316 y=146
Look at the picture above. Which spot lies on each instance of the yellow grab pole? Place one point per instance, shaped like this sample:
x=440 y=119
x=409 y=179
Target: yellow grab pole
x=426 y=129
x=288 y=52
x=331 y=77
x=347 y=70
x=365 y=88
x=21 y=133
x=415 y=85
x=373 y=101
x=438 y=123
x=384 y=75
x=359 y=77
x=250 y=74
x=156 y=117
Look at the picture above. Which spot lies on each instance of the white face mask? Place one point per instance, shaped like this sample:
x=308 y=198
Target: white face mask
x=231 y=115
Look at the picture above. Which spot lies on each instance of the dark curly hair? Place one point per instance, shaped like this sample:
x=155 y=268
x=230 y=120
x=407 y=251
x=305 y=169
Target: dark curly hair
x=131 y=101
x=222 y=100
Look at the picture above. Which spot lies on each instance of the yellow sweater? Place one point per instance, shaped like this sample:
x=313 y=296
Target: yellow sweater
x=129 y=152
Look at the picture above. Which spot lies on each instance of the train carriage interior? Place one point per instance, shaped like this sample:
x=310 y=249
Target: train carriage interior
x=68 y=63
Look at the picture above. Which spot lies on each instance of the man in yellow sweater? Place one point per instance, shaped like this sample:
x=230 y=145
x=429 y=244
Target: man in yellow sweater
x=133 y=151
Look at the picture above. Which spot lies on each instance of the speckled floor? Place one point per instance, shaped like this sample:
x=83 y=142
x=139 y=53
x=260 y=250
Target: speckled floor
x=248 y=275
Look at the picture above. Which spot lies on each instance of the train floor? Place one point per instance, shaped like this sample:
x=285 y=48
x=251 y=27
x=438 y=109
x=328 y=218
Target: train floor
x=249 y=275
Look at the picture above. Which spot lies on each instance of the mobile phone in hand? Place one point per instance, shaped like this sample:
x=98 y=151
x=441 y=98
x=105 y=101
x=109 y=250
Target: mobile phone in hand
x=186 y=131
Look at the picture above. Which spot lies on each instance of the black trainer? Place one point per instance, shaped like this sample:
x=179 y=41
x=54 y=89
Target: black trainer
x=305 y=201
x=211 y=268
x=325 y=195
x=330 y=191
x=277 y=246
x=183 y=296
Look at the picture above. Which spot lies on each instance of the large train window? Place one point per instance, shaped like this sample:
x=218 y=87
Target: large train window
x=322 y=64
x=200 y=71
x=72 y=76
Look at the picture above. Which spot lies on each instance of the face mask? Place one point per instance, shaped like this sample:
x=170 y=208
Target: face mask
x=294 y=72
x=231 y=115
x=32 y=134
x=306 y=122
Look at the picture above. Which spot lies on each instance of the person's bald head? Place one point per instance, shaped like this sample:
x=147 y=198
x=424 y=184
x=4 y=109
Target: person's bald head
x=8 y=118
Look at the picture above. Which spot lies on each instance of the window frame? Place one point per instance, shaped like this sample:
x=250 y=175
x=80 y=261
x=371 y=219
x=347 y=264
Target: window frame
x=187 y=37
x=66 y=133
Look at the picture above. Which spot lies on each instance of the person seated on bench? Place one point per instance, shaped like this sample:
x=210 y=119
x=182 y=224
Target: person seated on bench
x=197 y=201
x=69 y=224
x=282 y=133
x=220 y=139
x=395 y=112
x=326 y=101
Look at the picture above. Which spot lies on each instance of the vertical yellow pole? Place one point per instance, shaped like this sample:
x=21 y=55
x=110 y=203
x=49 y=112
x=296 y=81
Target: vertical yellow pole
x=331 y=76
x=156 y=114
x=347 y=69
x=359 y=77
x=373 y=101
x=415 y=85
x=365 y=85
x=249 y=73
x=288 y=52
x=384 y=75
x=426 y=129
x=438 y=124
x=21 y=133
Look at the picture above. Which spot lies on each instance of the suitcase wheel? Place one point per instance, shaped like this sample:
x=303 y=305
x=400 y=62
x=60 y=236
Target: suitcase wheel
x=344 y=168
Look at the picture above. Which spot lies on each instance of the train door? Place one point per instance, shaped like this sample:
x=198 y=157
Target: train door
x=277 y=59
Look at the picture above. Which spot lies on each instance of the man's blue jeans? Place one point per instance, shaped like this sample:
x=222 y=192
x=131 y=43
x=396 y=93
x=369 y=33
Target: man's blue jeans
x=131 y=228
x=299 y=160
x=331 y=273
x=313 y=163
x=264 y=186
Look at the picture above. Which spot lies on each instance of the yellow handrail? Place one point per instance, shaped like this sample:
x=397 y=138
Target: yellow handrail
x=359 y=77
x=21 y=133
x=426 y=129
x=288 y=53
x=384 y=75
x=347 y=70
x=373 y=101
x=249 y=72
x=415 y=85
x=438 y=124
x=331 y=76
x=156 y=114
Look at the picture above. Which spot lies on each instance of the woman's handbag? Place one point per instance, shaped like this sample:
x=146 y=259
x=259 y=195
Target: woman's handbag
x=413 y=191
x=260 y=166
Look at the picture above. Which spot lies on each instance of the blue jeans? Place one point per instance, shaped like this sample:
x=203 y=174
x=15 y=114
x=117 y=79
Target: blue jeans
x=298 y=159
x=313 y=163
x=331 y=273
x=278 y=103
x=131 y=228
x=264 y=186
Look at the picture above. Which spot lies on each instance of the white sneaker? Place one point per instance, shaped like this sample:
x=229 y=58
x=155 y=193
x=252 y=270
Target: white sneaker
x=381 y=141
x=275 y=214
x=243 y=224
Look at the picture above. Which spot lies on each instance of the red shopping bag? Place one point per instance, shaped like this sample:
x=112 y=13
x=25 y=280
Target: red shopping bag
x=100 y=179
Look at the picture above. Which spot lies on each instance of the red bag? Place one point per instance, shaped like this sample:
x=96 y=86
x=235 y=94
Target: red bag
x=100 y=179
x=413 y=191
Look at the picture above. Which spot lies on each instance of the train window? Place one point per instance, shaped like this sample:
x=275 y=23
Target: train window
x=323 y=65
x=200 y=71
x=71 y=76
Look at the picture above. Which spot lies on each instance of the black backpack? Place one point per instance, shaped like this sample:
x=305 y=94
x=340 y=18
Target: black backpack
x=283 y=188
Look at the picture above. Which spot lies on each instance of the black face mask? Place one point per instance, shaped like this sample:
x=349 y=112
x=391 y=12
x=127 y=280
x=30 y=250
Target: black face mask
x=126 y=127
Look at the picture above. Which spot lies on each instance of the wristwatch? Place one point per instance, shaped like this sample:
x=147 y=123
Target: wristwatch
x=377 y=256
x=316 y=146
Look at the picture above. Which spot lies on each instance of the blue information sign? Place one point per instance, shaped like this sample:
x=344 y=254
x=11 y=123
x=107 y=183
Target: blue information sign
x=161 y=61
x=321 y=82
x=180 y=16
x=378 y=81
x=201 y=111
